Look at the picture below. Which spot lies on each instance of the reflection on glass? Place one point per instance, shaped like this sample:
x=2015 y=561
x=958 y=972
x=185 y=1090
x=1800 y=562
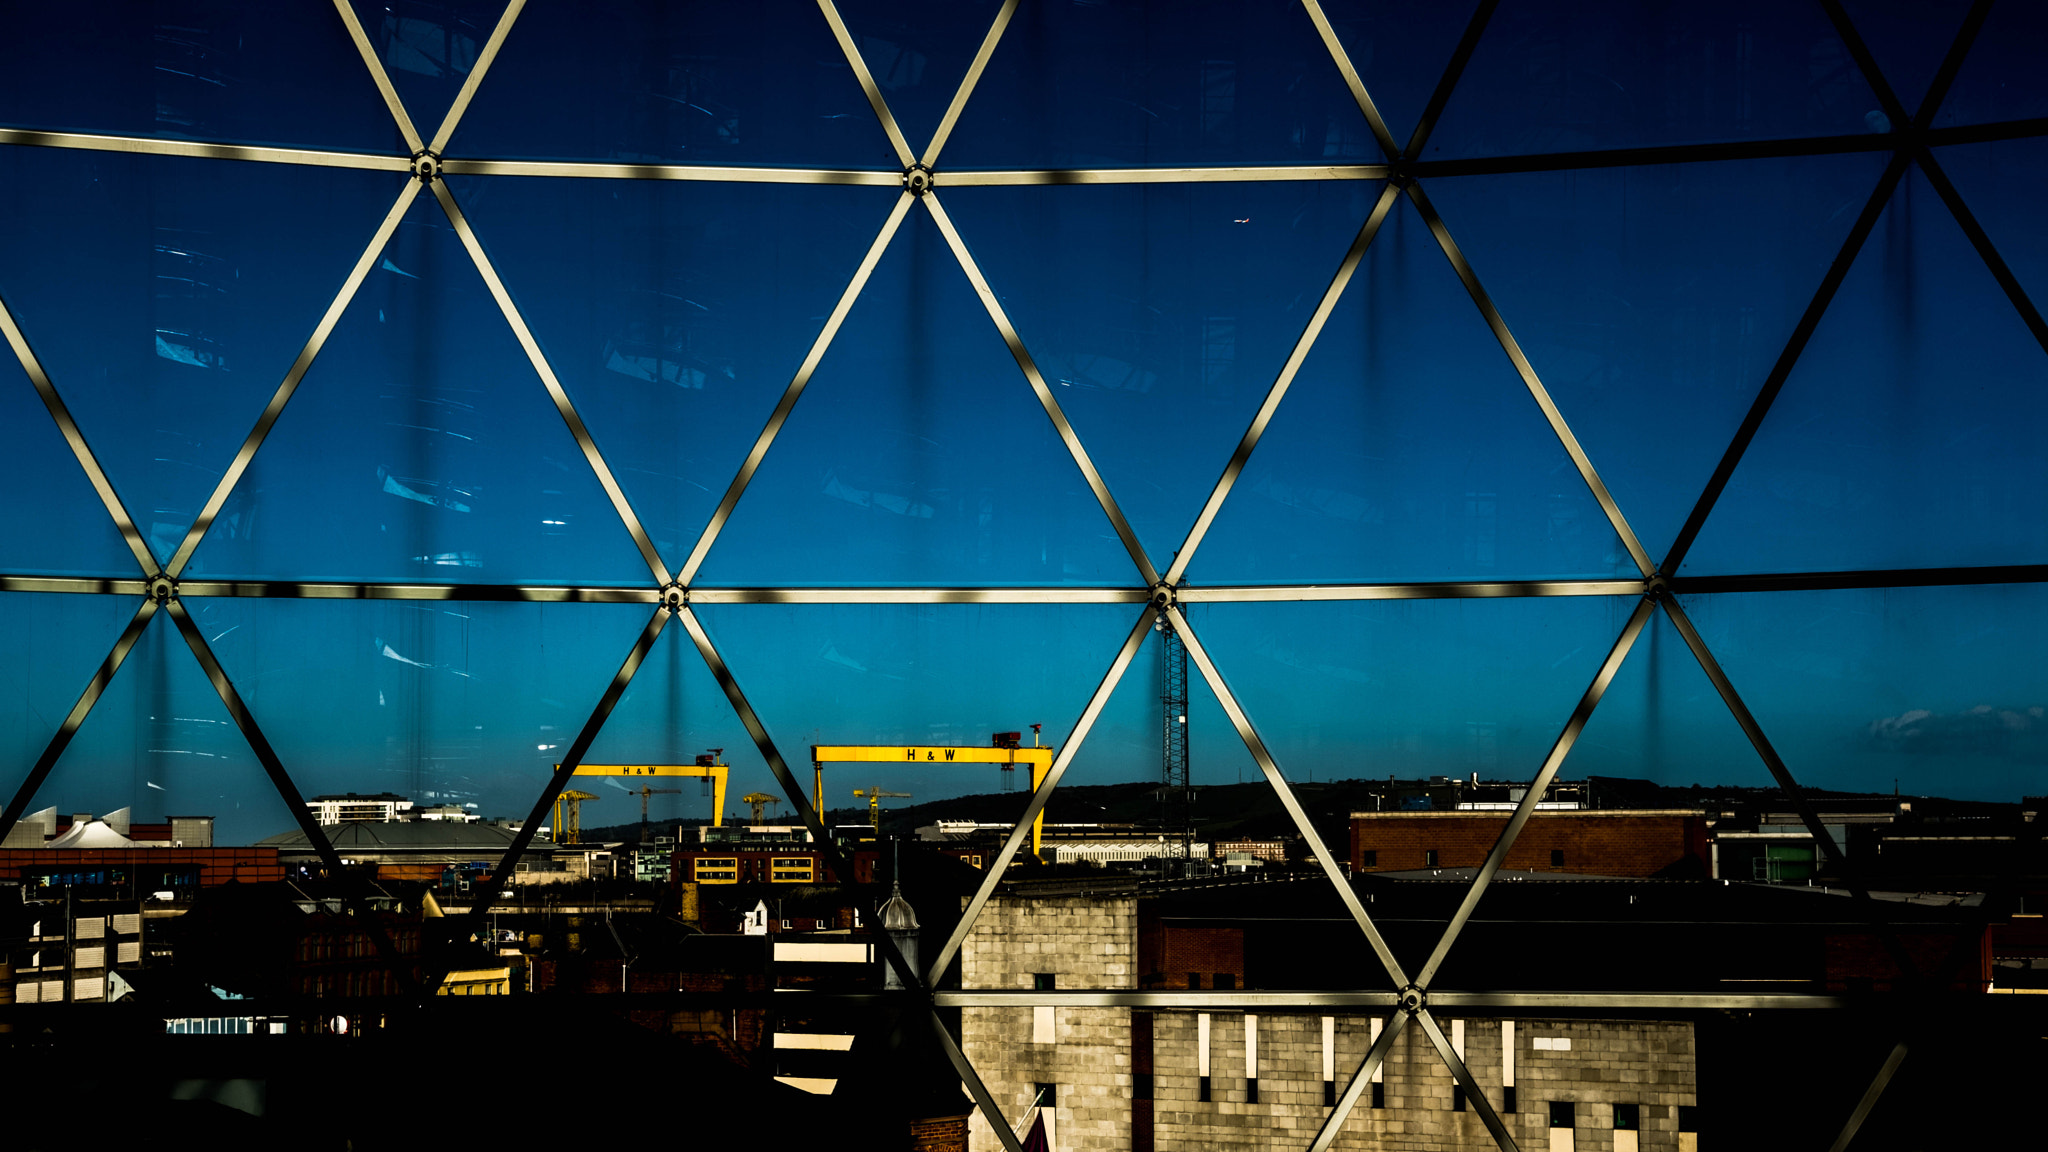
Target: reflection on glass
x=167 y=297
x=918 y=455
x=651 y=302
x=422 y=446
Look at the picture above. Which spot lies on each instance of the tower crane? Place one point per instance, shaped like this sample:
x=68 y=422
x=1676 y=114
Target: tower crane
x=643 y=792
x=874 y=798
x=759 y=800
x=569 y=815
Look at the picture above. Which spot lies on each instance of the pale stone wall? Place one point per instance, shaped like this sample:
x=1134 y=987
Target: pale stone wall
x=1645 y=1063
x=1091 y=942
x=1085 y=942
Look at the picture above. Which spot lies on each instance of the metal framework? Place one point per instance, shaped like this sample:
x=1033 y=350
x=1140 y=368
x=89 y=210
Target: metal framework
x=1157 y=597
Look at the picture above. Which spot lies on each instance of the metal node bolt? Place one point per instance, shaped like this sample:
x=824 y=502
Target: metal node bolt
x=1164 y=596
x=674 y=596
x=1657 y=586
x=1413 y=1000
x=917 y=179
x=426 y=166
x=162 y=588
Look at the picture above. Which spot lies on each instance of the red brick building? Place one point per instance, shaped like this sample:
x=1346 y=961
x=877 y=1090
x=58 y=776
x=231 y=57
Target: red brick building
x=1596 y=842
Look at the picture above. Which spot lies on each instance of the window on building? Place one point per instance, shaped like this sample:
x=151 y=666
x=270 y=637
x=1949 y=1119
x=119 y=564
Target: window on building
x=1688 y=1118
x=1429 y=858
x=1563 y=1114
x=1194 y=980
x=1369 y=858
x=1042 y=981
x=1628 y=1117
x=1379 y=1094
x=1557 y=857
x=1048 y=1095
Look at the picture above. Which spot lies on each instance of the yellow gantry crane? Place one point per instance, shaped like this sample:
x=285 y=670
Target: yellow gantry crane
x=569 y=815
x=707 y=767
x=1005 y=749
x=874 y=798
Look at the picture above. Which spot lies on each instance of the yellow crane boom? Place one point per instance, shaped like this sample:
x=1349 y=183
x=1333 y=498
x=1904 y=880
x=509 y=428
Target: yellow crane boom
x=874 y=798
x=1004 y=751
x=706 y=768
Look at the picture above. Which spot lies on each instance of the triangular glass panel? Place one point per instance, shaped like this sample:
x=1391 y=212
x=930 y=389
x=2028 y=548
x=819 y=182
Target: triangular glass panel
x=448 y=703
x=1662 y=724
x=1408 y=449
x=649 y=299
x=1997 y=182
x=50 y=646
x=657 y=83
x=1634 y=285
x=1910 y=433
x=167 y=297
x=281 y=74
x=64 y=530
x=1615 y=74
x=161 y=744
x=1927 y=691
x=914 y=675
x=1400 y=51
x=918 y=455
x=918 y=52
x=1220 y=82
x=1161 y=315
x=2001 y=78
x=428 y=48
x=422 y=446
x=1908 y=40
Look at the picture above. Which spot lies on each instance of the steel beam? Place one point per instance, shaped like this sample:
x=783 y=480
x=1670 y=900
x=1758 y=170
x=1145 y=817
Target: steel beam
x=793 y=392
x=1340 y=280
x=1000 y=864
x=1560 y=749
x=286 y=388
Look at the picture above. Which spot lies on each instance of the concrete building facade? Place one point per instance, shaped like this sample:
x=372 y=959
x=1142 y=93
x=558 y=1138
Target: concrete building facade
x=1154 y=1081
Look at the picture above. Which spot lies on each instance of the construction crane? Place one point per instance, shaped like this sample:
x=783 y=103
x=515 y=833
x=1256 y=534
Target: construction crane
x=643 y=792
x=707 y=768
x=569 y=815
x=759 y=800
x=874 y=798
x=1005 y=750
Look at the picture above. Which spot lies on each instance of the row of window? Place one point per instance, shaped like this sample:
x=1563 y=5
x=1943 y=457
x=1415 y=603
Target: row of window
x=727 y=870
x=1370 y=858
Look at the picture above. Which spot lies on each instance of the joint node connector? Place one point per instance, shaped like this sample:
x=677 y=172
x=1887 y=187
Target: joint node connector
x=1165 y=596
x=1657 y=586
x=426 y=167
x=917 y=179
x=1413 y=1000
x=674 y=596
x=162 y=589
x=1400 y=177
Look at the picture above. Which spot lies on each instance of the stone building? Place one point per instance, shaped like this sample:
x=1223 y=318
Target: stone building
x=1166 y=1080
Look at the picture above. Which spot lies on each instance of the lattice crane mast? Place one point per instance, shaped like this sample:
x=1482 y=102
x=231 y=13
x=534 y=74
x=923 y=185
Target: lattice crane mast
x=569 y=815
x=874 y=798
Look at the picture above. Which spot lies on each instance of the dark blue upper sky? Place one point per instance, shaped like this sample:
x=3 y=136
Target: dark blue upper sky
x=167 y=297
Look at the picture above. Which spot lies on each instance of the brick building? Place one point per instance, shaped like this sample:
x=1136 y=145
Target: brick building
x=1598 y=842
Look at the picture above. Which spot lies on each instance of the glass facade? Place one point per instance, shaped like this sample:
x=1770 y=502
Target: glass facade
x=418 y=397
